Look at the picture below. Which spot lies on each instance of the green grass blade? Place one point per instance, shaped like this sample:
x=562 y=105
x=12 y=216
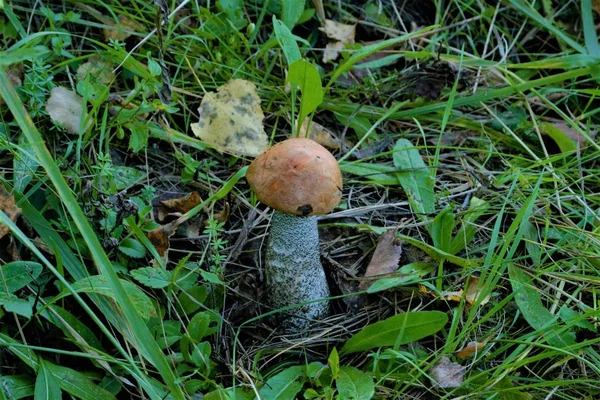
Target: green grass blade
x=145 y=342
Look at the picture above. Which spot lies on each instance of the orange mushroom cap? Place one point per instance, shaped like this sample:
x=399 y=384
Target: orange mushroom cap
x=297 y=176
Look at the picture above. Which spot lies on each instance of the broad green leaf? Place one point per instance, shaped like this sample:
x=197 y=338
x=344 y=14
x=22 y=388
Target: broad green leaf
x=334 y=363
x=155 y=278
x=124 y=177
x=570 y=316
x=229 y=393
x=167 y=333
x=287 y=41
x=353 y=384
x=46 y=386
x=16 y=386
x=409 y=274
x=138 y=135
x=17 y=305
x=16 y=275
x=132 y=248
x=303 y=74
x=564 y=142
x=291 y=10
x=191 y=300
x=285 y=385
x=415 y=179
x=441 y=229
x=77 y=384
x=98 y=284
x=198 y=326
x=399 y=329
x=529 y=300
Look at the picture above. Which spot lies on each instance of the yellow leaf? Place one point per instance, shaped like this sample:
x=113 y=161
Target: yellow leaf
x=231 y=119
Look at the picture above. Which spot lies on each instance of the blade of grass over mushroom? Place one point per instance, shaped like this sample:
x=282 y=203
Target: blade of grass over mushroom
x=415 y=179
x=145 y=341
x=399 y=329
x=305 y=76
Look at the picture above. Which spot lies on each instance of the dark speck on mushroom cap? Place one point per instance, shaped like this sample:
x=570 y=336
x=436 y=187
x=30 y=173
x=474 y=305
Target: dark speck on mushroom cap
x=297 y=176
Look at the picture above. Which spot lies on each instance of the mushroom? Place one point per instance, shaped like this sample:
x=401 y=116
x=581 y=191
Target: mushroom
x=299 y=179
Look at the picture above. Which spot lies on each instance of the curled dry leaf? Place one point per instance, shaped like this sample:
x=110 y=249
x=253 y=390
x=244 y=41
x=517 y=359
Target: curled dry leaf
x=473 y=292
x=177 y=207
x=66 y=109
x=343 y=34
x=159 y=238
x=231 y=119
x=319 y=134
x=97 y=71
x=385 y=258
x=8 y=206
x=447 y=374
x=121 y=30
x=470 y=349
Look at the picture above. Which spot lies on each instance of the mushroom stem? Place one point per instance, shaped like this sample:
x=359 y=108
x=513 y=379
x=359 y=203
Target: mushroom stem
x=293 y=269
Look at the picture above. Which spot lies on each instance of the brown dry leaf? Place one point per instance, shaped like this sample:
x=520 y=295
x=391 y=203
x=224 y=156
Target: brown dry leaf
x=470 y=349
x=121 y=30
x=447 y=374
x=66 y=109
x=223 y=214
x=596 y=5
x=177 y=207
x=342 y=34
x=159 y=238
x=319 y=134
x=473 y=292
x=97 y=70
x=231 y=119
x=14 y=73
x=385 y=257
x=8 y=206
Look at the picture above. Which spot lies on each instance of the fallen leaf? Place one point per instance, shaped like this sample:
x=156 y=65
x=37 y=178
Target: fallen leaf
x=473 y=292
x=332 y=51
x=596 y=5
x=470 y=349
x=343 y=34
x=447 y=374
x=385 y=257
x=452 y=296
x=177 y=207
x=159 y=238
x=120 y=30
x=96 y=70
x=8 y=206
x=66 y=109
x=319 y=134
x=231 y=119
x=14 y=73
x=337 y=31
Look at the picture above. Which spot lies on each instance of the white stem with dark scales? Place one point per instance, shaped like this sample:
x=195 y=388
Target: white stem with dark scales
x=294 y=271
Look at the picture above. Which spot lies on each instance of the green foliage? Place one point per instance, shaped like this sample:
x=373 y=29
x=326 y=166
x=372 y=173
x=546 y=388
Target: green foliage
x=305 y=76
x=399 y=329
